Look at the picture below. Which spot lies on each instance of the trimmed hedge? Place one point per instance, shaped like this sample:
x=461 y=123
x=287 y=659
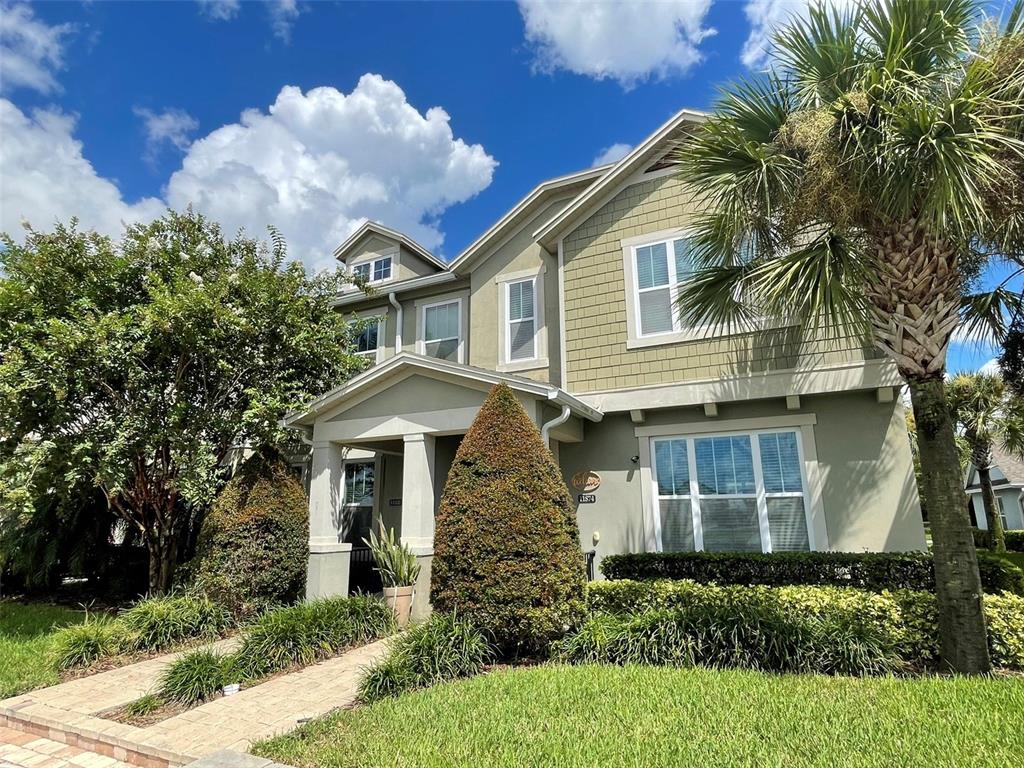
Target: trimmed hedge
x=253 y=546
x=906 y=621
x=506 y=545
x=1014 y=540
x=873 y=571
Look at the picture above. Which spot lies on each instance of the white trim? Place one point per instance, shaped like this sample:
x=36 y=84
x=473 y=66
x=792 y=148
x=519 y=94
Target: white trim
x=563 y=354
x=539 y=359
x=462 y=299
x=758 y=424
x=817 y=534
x=478 y=246
x=406 y=363
x=843 y=377
x=608 y=185
x=372 y=260
x=390 y=234
x=356 y=296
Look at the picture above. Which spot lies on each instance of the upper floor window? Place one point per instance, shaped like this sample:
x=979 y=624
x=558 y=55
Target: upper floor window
x=369 y=338
x=441 y=330
x=373 y=271
x=659 y=267
x=521 y=319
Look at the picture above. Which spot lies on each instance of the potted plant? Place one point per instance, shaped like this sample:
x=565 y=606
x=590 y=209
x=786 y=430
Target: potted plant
x=398 y=569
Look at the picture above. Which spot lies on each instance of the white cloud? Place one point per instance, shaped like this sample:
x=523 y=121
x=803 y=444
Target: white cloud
x=30 y=50
x=991 y=368
x=170 y=126
x=626 y=40
x=46 y=178
x=316 y=165
x=221 y=10
x=765 y=16
x=283 y=14
x=612 y=154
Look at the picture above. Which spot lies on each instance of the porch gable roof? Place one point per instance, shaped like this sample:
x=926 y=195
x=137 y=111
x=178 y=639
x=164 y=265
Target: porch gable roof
x=408 y=362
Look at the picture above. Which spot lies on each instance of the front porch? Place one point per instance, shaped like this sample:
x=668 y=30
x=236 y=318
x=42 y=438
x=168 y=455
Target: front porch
x=382 y=447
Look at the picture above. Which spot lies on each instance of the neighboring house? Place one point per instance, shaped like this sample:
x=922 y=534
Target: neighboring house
x=670 y=437
x=1008 y=483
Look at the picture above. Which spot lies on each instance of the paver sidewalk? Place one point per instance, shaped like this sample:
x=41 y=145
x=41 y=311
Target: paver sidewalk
x=26 y=750
x=67 y=712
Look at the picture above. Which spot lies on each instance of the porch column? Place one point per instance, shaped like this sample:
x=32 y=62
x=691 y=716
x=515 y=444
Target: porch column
x=418 y=511
x=328 y=556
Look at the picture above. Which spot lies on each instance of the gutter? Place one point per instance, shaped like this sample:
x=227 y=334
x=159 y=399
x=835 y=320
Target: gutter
x=394 y=302
x=545 y=431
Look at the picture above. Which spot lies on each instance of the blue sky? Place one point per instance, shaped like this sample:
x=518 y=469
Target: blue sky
x=433 y=118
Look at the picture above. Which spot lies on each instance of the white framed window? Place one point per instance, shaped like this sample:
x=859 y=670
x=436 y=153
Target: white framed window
x=441 y=330
x=374 y=271
x=369 y=340
x=521 y=320
x=731 y=492
x=658 y=269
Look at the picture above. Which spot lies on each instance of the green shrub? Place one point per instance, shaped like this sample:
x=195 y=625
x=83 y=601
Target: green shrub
x=158 y=623
x=253 y=546
x=306 y=633
x=193 y=677
x=80 y=645
x=864 y=570
x=442 y=648
x=144 y=705
x=1014 y=540
x=906 y=620
x=506 y=545
x=726 y=635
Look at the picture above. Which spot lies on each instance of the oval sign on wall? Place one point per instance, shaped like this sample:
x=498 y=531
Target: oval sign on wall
x=586 y=481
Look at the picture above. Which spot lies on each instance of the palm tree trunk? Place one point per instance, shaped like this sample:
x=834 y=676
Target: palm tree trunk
x=962 y=634
x=992 y=516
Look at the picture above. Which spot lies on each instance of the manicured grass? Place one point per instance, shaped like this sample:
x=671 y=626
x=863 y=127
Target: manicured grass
x=1017 y=558
x=579 y=717
x=25 y=635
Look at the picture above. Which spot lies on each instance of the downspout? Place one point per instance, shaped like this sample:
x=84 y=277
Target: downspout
x=558 y=421
x=398 y=321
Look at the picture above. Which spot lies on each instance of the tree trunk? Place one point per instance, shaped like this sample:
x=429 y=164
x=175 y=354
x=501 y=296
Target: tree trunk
x=163 y=555
x=962 y=634
x=992 y=516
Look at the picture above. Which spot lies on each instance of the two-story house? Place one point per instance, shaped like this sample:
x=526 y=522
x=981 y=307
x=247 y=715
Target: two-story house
x=670 y=437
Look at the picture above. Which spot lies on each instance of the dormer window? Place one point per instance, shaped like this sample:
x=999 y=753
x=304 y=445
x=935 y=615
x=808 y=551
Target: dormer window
x=375 y=271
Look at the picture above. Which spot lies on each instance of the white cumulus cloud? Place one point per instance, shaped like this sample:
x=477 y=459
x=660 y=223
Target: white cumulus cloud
x=221 y=10
x=30 y=49
x=315 y=165
x=169 y=126
x=612 y=154
x=45 y=178
x=626 y=40
x=765 y=16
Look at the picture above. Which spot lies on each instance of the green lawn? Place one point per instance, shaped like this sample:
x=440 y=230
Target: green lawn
x=647 y=716
x=25 y=634
x=1017 y=558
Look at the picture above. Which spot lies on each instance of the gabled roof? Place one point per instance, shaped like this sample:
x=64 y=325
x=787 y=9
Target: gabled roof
x=408 y=362
x=598 y=193
x=1010 y=465
x=513 y=217
x=373 y=228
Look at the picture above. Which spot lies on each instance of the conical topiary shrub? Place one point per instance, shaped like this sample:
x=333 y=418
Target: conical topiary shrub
x=506 y=544
x=253 y=545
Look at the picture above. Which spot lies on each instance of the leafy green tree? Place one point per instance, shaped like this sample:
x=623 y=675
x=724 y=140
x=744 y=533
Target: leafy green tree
x=143 y=362
x=859 y=189
x=985 y=415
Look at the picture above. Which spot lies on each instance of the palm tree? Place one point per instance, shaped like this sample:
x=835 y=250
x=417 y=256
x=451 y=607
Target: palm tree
x=860 y=188
x=985 y=415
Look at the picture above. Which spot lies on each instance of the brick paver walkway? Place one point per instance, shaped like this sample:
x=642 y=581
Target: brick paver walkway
x=231 y=722
x=26 y=750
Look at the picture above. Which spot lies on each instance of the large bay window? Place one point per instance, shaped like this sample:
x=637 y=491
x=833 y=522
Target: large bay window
x=743 y=492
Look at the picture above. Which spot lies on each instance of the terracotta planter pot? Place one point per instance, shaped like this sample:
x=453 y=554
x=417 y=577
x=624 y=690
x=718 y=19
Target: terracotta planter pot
x=400 y=601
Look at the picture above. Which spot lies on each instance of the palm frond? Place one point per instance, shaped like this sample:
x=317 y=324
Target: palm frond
x=986 y=315
x=822 y=53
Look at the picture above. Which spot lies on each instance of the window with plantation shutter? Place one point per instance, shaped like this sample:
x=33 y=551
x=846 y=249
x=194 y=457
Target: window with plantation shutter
x=659 y=269
x=441 y=330
x=731 y=493
x=521 y=319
